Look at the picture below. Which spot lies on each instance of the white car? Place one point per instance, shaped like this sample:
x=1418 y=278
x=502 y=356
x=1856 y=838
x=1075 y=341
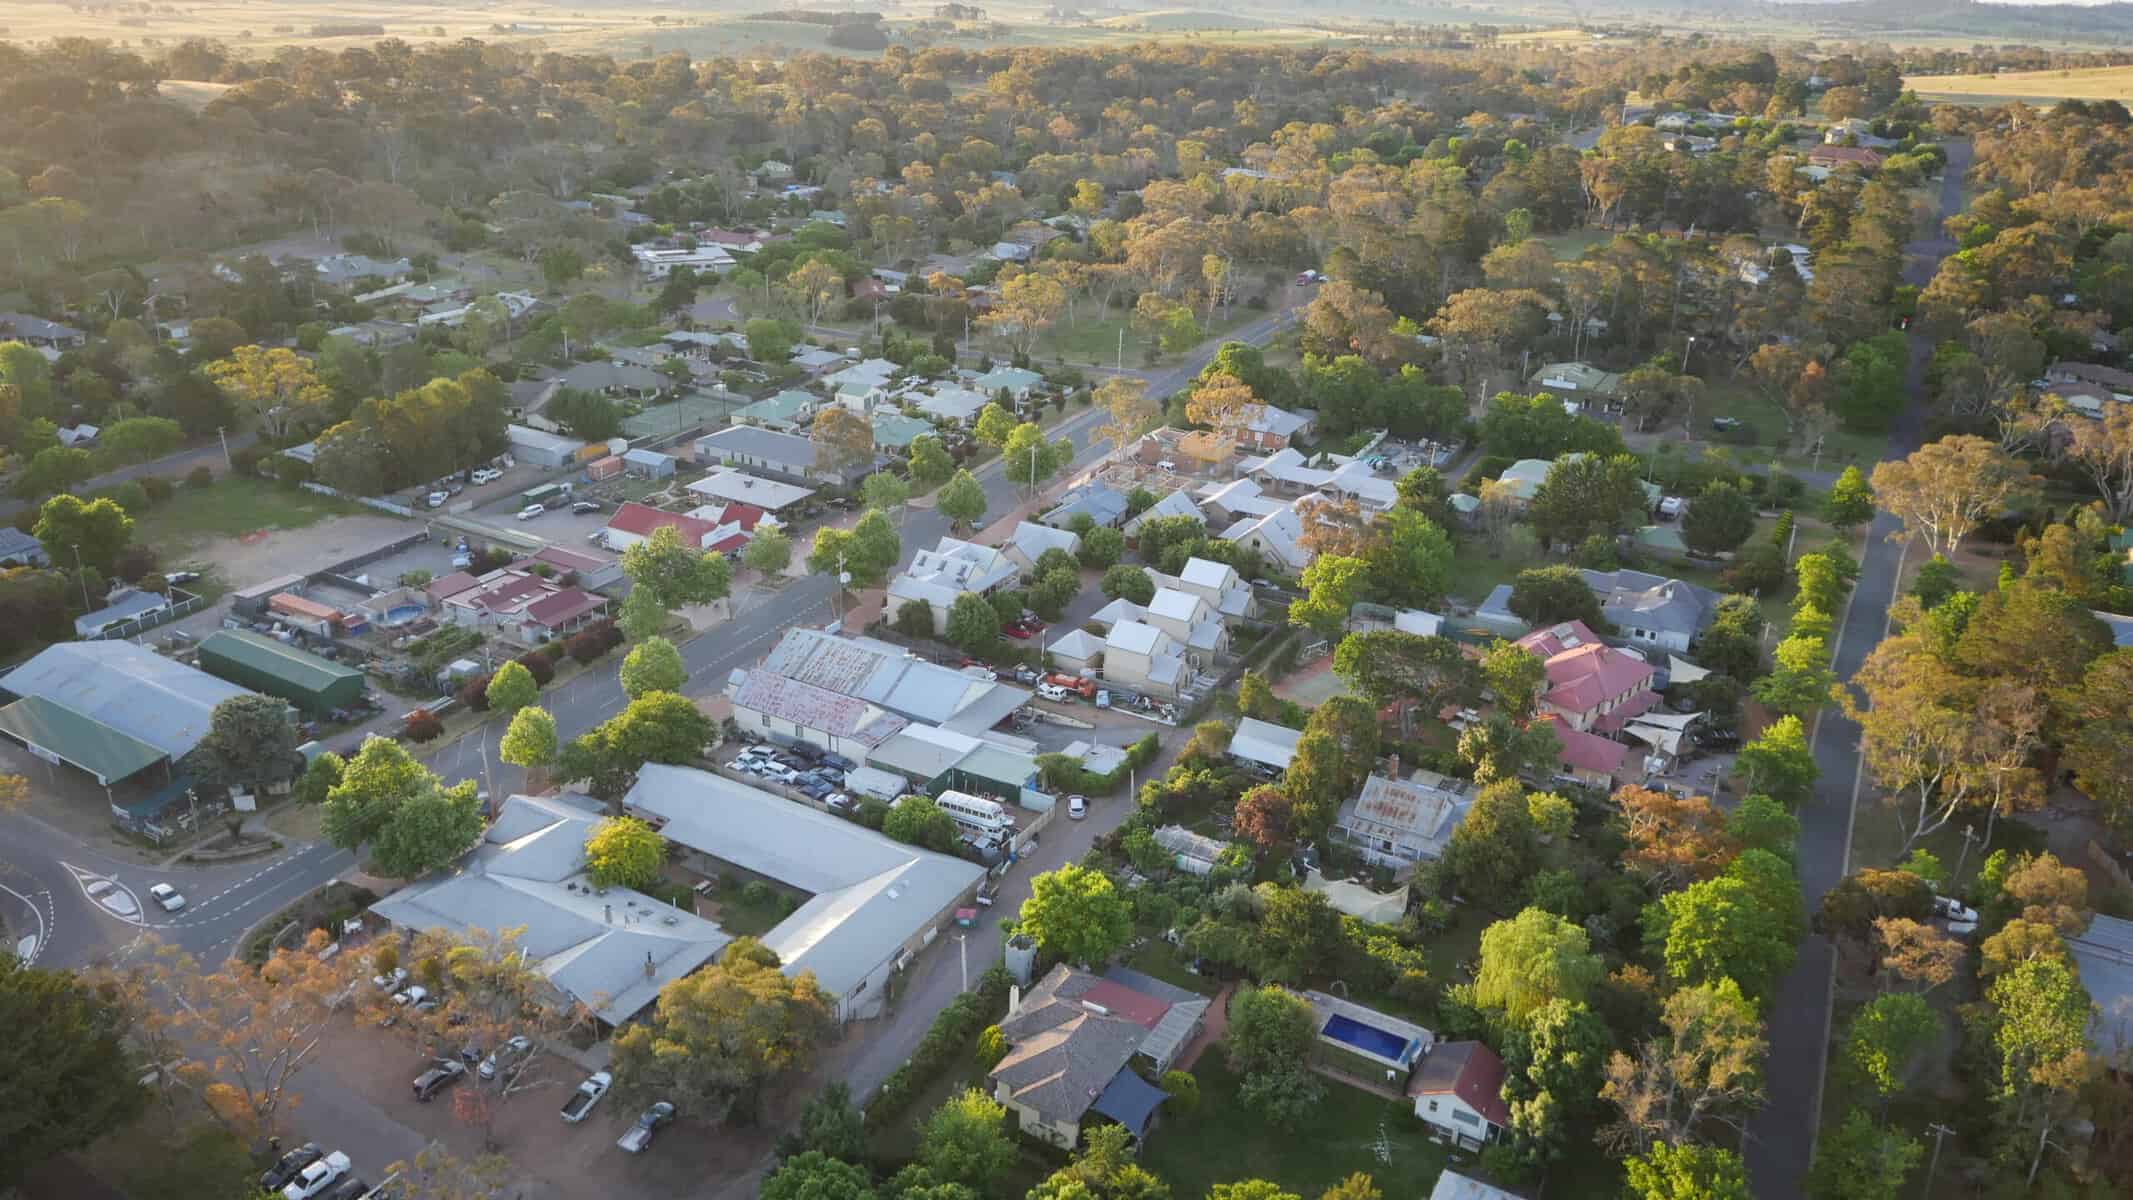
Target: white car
x=1961 y=918
x=436 y=499
x=487 y=475
x=1077 y=807
x=530 y=511
x=317 y=1177
x=390 y=981
x=170 y=898
x=515 y=1048
x=412 y=996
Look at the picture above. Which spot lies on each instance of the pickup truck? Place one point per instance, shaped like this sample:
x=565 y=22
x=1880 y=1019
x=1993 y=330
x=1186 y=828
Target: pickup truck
x=587 y=1095
x=639 y=1136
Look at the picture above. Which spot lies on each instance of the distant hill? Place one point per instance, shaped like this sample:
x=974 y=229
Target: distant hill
x=1966 y=17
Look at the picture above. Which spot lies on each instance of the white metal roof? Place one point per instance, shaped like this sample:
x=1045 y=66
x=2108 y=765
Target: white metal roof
x=1264 y=742
x=523 y=435
x=126 y=687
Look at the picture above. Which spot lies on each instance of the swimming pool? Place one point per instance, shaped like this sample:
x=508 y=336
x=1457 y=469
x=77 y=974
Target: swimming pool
x=401 y=614
x=1368 y=1039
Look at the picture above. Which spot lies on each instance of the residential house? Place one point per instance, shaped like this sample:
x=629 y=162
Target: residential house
x=38 y=333
x=1265 y=743
x=340 y=270
x=1218 y=583
x=1030 y=540
x=1011 y=252
x=1399 y=822
x=19 y=549
x=1591 y=760
x=561 y=613
x=772 y=170
x=1173 y=504
x=873 y=904
x=859 y=385
x=1834 y=157
x=1272 y=429
x=123 y=607
x=516 y=603
x=729 y=486
x=1277 y=536
x=1099 y=501
x=1017 y=382
x=1347 y=479
x=951 y=404
x=1576 y=381
x=2104 y=954
x=1140 y=656
x=616 y=379
x=955 y=568
x=1458 y=1093
x=634 y=523
x=656 y=263
x=608 y=948
x=774 y=453
x=1667 y=613
x=1073 y=1043
x=1592 y=686
x=1190 y=622
x=1451 y=1185
x=894 y=431
x=1076 y=651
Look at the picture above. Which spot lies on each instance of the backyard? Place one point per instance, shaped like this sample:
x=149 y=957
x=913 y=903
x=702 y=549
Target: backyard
x=1349 y=1131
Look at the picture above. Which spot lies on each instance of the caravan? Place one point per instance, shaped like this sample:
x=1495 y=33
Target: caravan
x=977 y=814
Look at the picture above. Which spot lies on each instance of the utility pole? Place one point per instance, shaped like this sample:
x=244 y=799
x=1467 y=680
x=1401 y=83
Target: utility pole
x=1122 y=349
x=81 y=576
x=1938 y=1131
x=222 y=433
x=962 y=946
x=1970 y=838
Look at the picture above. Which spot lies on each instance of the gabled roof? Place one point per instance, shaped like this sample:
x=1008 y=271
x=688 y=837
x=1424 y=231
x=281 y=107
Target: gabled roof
x=1278 y=422
x=1582 y=679
x=1077 y=644
x=1034 y=539
x=1468 y=1070
x=1264 y=742
x=1135 y=637
x=1174 y=605
x=1587 y=751
x=99 y=749
x=127 y=688
x=1645 y=601
x=794 y=454
x=882 y=674
x=563 y=607
x=276 y=659
x=1426 y=808
x=815 y=708
x=1173 y=504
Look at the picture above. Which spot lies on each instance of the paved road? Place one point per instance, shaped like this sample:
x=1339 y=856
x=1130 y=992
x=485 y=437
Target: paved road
x=1781 y=1138
x=173 y=467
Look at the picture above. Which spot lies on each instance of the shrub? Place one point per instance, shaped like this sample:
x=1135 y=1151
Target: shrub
x=424 y=726
x=199 y=477
x=943 y=1045
x=245 y=460
x=130 y=496
x=756 y=892
x=474 y=693
x=157 y=488
x=586 y=646
x=538 y=663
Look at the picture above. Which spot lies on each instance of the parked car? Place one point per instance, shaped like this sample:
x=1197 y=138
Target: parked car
x=439 y=1077
x=349 y=1188
x=1016 y=630
x=412 y=996
x=530 y=511
x=487 y=475
x=436 y=499
x=181 y=578
x=1103 y=697
x=316 y=1177
x=1054 y=693
x=503 y=1056
x=838 y=761
x=1961 y=918
x=1077 y=807
x=168 y=897
x=588 y=1094
x=581 y=507
x=814 y=789
x=988 y=892
x=639 y=1136
x=285 y=1169
x=391 y=980
x=837 y=800
x=1027 y=675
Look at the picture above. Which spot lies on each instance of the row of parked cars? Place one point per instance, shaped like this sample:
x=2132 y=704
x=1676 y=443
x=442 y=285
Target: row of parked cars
x=818 y=773
x=309 y=1173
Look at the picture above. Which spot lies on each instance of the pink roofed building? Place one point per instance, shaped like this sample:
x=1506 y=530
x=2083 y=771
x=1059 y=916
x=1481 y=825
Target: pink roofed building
x=1591 y=686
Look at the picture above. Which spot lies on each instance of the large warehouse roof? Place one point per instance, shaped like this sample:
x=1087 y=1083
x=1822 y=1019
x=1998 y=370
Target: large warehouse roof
x=612 y=951
x=882 y=674
x=871 y=894
x=127 y=688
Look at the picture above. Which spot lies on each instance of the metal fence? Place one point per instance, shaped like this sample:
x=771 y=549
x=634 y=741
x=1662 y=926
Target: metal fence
x=121 y=630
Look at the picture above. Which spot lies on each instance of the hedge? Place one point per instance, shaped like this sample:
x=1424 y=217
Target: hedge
x=1064 y=774
x=946 y=1044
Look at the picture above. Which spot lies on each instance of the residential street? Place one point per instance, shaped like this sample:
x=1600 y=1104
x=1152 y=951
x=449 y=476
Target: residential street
x=1781 y=1137
x=173 y=467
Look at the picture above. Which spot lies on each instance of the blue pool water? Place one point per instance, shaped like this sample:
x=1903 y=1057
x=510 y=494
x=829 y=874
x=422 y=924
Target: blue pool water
x=401 y=614
x=1368 y=1039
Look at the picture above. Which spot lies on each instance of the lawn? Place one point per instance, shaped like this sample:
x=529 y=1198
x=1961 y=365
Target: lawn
x=1349 y=1131
x=234 y=506
x=1574 y=244
x=1840 y=448
x=752 y=910
x=1161 y=960
x=1096 y=341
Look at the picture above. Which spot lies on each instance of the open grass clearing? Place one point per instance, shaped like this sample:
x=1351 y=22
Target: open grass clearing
x=1574 y=243
x=233 y=507
x=2030 y=87
x=1349 y=1131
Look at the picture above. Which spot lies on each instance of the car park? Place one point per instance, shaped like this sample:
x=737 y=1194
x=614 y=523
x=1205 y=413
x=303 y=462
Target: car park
x=503 y=1056
x=445 y=1073
x=167 y=897
x=530 y=511
x=639 y=1136
x=274 y=1178
x=316 y=1178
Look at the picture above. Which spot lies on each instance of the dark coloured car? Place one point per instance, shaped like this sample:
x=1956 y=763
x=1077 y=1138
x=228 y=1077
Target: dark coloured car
x=437 y=1078
x=274 y=1178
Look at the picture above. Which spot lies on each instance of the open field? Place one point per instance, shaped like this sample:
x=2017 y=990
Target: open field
x=263 y=28
x=2030 y=87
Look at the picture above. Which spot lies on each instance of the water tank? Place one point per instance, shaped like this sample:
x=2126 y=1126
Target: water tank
x=1021 y=959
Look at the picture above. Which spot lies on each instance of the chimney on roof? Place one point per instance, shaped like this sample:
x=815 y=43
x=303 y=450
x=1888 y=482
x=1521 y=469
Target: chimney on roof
x=649 y=969
x=1014 y=999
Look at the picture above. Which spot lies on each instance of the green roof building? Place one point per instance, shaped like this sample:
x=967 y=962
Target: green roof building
x=266 y=665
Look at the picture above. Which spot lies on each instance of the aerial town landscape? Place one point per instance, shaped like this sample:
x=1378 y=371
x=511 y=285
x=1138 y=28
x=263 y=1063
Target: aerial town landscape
x=1441 y=602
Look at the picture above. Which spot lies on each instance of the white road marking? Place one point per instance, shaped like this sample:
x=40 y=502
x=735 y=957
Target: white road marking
x=83 y=879
x=29 y=946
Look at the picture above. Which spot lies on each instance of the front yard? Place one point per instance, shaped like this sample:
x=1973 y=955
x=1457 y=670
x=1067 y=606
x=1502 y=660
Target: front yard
x=1349 y=1131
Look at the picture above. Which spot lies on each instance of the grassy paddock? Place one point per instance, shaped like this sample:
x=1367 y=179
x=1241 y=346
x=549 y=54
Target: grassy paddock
x=2032 y=87
x=234 y=506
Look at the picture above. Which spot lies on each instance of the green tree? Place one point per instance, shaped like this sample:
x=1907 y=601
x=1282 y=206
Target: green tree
x=720 y=1036
x=1860 y=1160
x=1584 y=495
x=866 y=552
x=1389 y=665
x=1740 y=926
x=653 y=665
x=1800 y=678
x=884 y=490
x=673 y=573
x=1718 y=520
x=69 y=1077
x=657 y=727
x=930 y=462
x=965 y=1141
x=1887 y=1036
x=1552 y=1067
x=1686 y=1172
x=1333 y=584
x=1554 y=594
x=643 y=616
x=1779 y=764
x=1026 y=458
x=769 y=551
x=1759 y=822
x=375 y=783
x=1250 y=1189
x=1075 y=913
x=624 y=852
x=530 y=740
x=921 y=821
x=994 y=424
x=829 y=1124
x=1101 y=548
x=250 y=743
x=1851 y=501
x=430 y=829
x=962 y=501
x=512 y=688
x=1732 y=643
x=1531 y=959
x=1500 y=749
x=320 y=777
x=1494 y=848
x=1128 y=582
x=1515 y=674
x=1411 y=561
x=2040 y=1038
x=1821 y=584
x=97 y=530
x=973 y=626
x=54 y=469
x=813 y=1175
x=1270 y=1029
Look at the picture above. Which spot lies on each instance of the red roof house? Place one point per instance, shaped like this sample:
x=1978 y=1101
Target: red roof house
x=1590 y=685
x=1458 y=1090
x=1588 y=757
x=1839 y=156
x=633 y=523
